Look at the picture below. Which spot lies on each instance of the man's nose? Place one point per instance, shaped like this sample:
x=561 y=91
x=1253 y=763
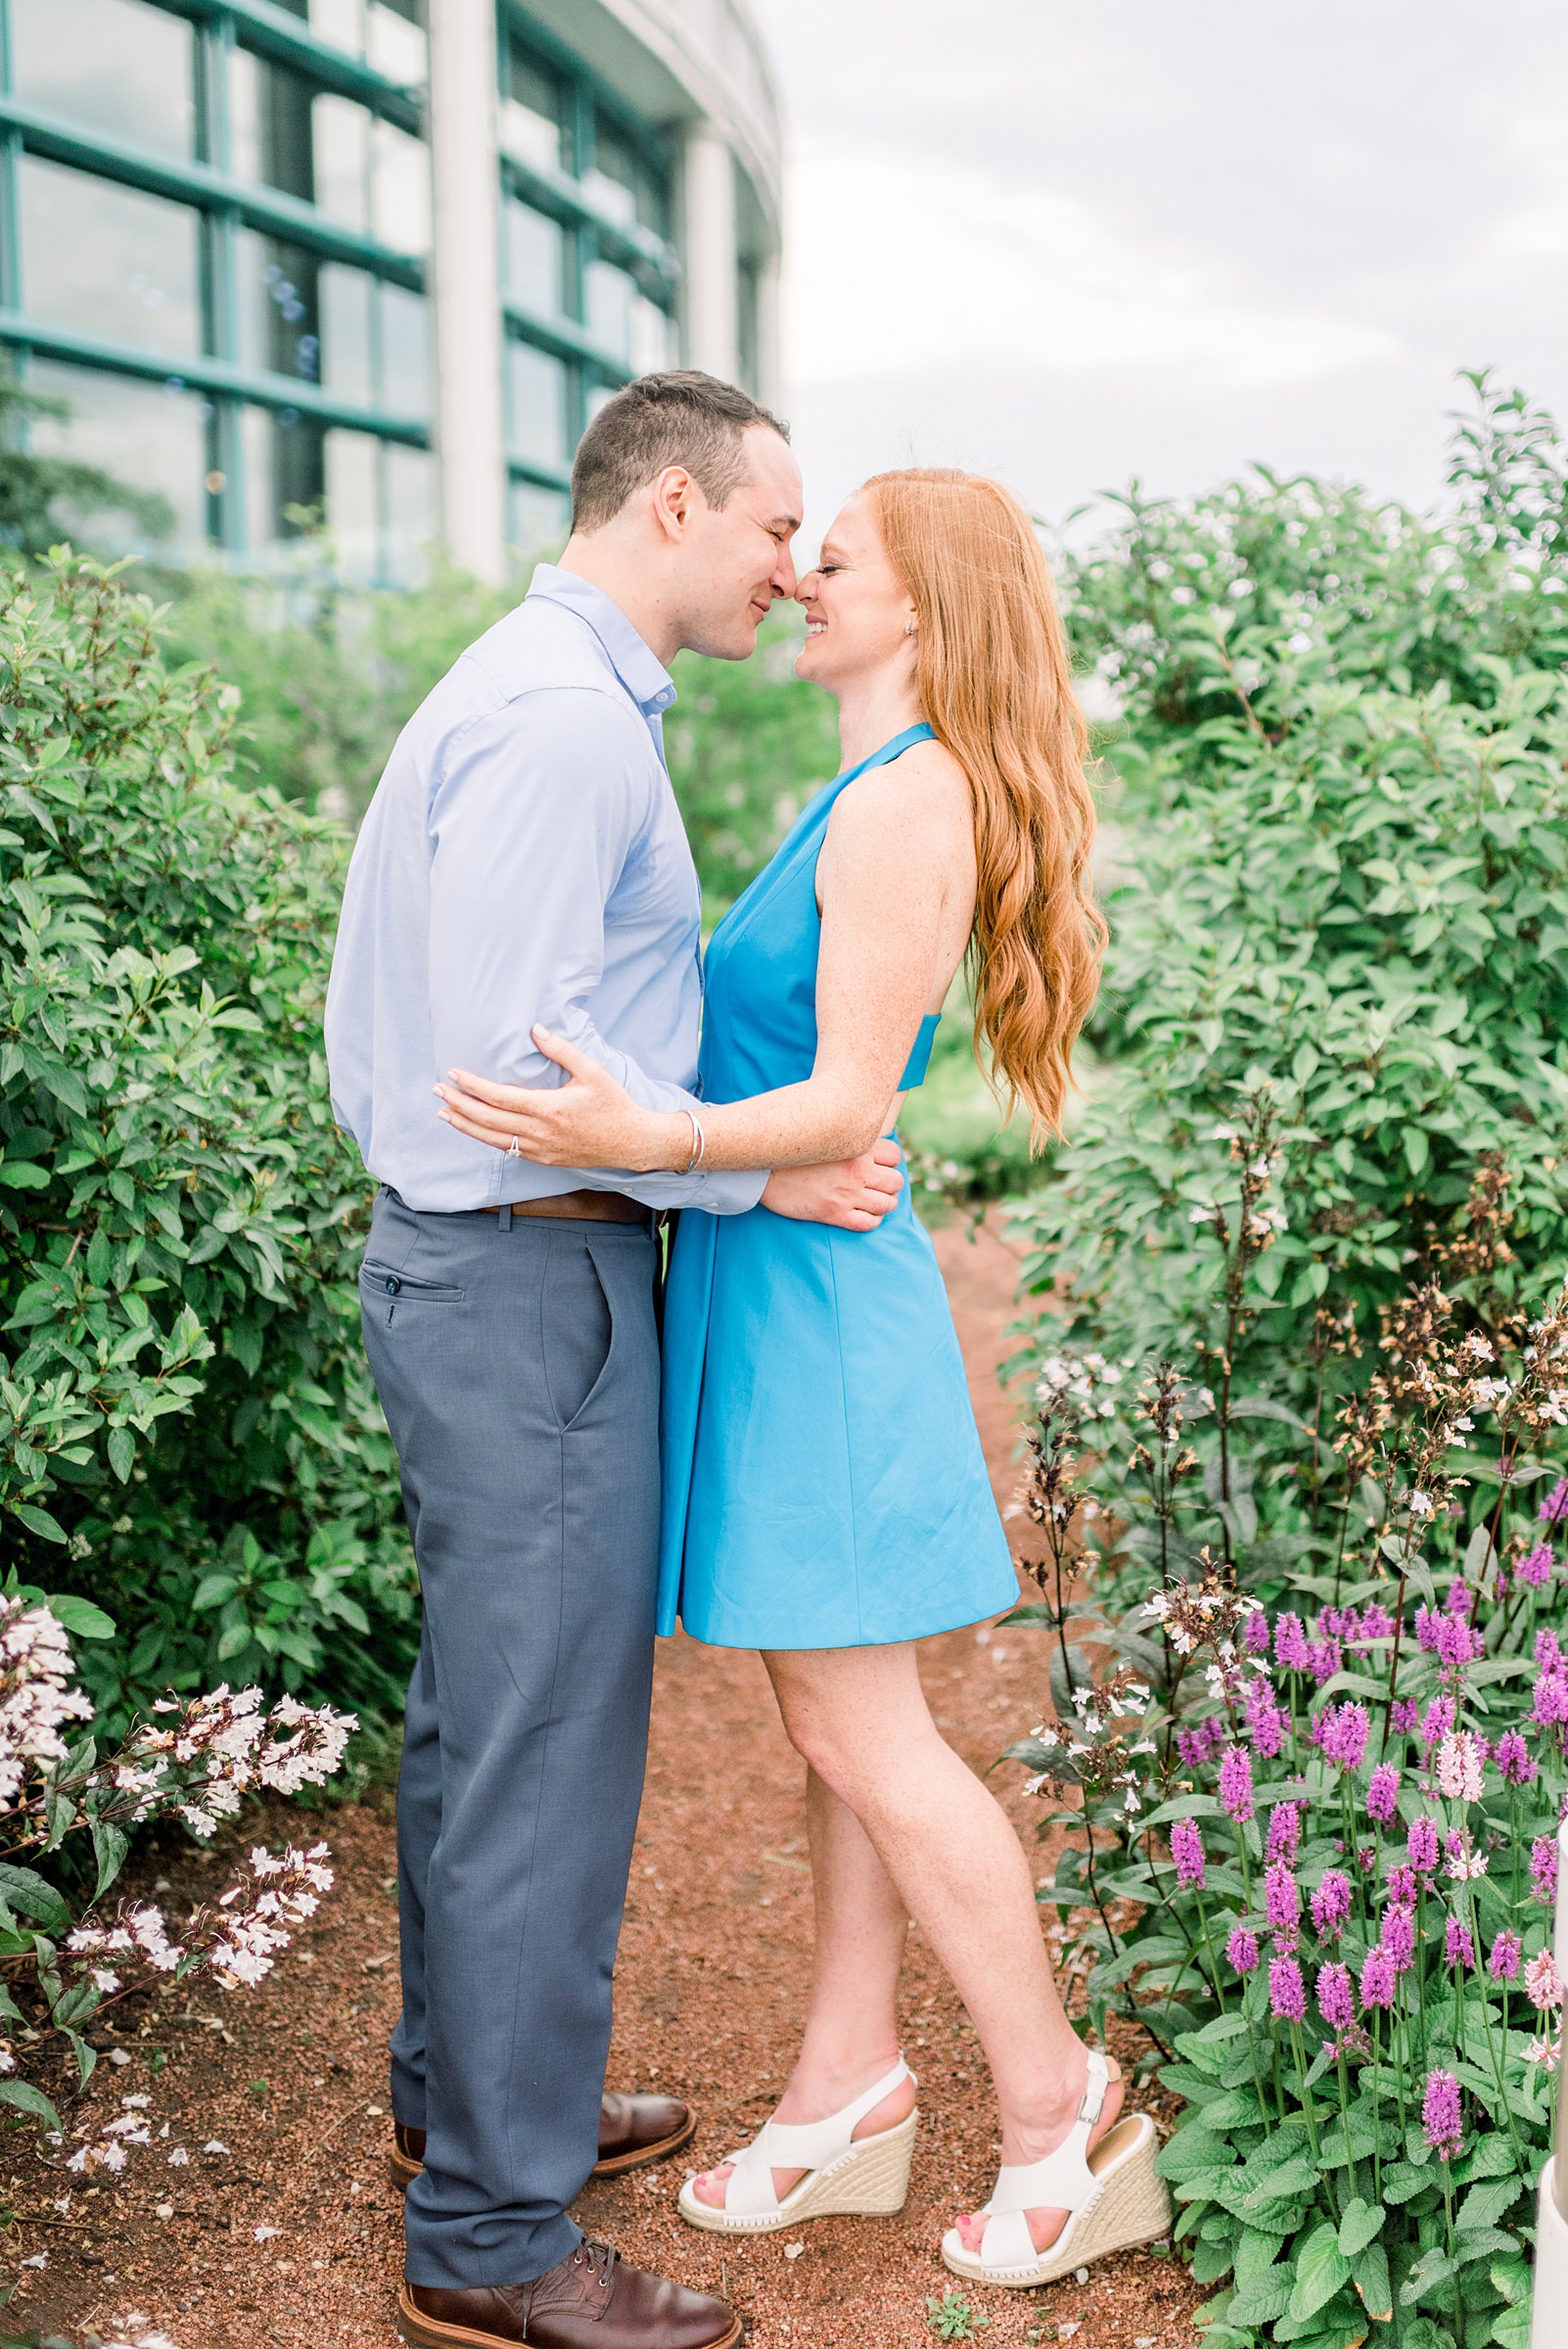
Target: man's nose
x=784 y=580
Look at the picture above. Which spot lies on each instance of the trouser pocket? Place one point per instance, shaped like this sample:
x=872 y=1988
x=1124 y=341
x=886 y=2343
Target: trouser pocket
x=578 y=1328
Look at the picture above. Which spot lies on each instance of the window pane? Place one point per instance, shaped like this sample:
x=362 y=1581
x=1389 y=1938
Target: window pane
x=341 y=22
x=140 y=433
x=626 y=181
x=342 y=141
x=108 y=260
x=395 y=43
x=410 y=476
x=115 y=63
x=609 y=296
x=537 y=520
x=353 y=502
x=400 y=188
x=347 y=335
x=535 y=116
x=284 y=469
x=655 y=342
x=280 y=328
x=536 y=387
x=404 y=351
x=535 y=257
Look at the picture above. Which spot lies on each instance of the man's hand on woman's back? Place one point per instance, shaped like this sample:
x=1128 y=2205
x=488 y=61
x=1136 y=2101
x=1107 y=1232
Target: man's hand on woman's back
x=854 y=1193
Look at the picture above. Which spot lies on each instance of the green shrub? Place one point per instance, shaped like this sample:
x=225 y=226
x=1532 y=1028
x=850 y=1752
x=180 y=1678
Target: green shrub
x=1343 y=757
x=188 y=1433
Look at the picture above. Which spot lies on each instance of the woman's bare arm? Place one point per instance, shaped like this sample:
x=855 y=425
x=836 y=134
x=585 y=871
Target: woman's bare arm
x=896 y=886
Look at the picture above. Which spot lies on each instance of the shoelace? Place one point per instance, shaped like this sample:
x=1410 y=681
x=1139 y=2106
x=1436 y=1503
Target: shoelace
x=600 y=2257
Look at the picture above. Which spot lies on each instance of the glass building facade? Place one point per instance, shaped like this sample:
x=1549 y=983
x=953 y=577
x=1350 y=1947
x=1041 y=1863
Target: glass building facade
x=217 y=250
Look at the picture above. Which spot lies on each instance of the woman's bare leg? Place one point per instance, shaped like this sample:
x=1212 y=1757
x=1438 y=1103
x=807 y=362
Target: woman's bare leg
x=852 y=2029
x=859 y=1717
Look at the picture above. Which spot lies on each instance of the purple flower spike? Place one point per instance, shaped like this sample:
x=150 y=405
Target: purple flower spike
x=1458 y=1947
x=1242 y=1950
x=1235 y=1783
x=1254 y=1636
x=1440 y=2114
x=1399 y=1939
x=1334 y=2000
x=1504 y=1963
x=1405 y=1716
x=1401 y=1886
x=1536 y=1570
x=1282 y=1901
x=1550 y=1708
x=1421 y=1845
x=1458 y=1600
x=1515 y=1766
x=1457 y=1643
x=1383 y=1795
x=1265 y=1722
x=1290 y=1644
x=1345 y=1733
x=1284 y=1831
x=1287 y=1994
x=1437 y=1719
x=1377 y=1979
x=1186 y=1849
x=1555 y=1509
x=1543 y=1868
x=1331 y=1904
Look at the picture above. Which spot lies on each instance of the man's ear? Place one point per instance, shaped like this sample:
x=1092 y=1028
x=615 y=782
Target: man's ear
x=674 y=495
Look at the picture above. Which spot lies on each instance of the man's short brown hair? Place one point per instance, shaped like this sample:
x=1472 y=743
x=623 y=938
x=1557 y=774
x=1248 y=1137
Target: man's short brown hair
x=681 y=416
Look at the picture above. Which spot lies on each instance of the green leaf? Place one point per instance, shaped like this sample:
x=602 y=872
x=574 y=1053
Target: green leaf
x=110 y=1846
x=79 y=1616
x=22 y=1176
x=26 y=2098
x=1485 y=2205
x=1320 y=2269
x=38 y=1521
x=1511 y=2327
x=1360 y=2222
x=213 y=1589
x=122 y=1452
x=1370 y=2277
x=32 y=1896
x=86 y=2056
x=1263 y=2297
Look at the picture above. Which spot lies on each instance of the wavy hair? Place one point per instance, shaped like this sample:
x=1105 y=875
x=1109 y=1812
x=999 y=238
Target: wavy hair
x=996 y=686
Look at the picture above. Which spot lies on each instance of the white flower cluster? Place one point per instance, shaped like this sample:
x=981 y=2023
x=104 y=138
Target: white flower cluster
x=1086 y=1379
x=223 y=1745
x=253 y=1935
x=36 y=1697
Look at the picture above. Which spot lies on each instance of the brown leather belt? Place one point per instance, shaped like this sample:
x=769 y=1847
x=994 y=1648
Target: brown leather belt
x=597 y=1207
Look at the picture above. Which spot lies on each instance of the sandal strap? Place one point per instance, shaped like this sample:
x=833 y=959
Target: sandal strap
x=1063 y=2181
x=1007 y=2243
x=800 y=2146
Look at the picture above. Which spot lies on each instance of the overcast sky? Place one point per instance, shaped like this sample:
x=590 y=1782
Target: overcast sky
x=1072 y=243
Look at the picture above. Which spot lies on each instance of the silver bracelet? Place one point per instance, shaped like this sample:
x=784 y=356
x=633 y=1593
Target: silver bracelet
x=698 y=1143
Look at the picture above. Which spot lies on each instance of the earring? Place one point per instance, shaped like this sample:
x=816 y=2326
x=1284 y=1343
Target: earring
x=908 y=627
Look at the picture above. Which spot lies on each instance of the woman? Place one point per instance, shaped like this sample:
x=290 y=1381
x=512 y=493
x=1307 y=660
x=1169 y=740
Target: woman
x=826 y=1500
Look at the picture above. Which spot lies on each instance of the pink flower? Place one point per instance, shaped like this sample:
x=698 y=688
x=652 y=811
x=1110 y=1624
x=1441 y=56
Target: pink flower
x=1242 y=1950
x=1265 y=1722
x=1383 y=1795
x=1377 y=1979
x=1437 y=1719
x=1399 y=1939
x=1254 y=1636
x=1284 y=1831
x=1186 y=1849
x=1458 y=1767
x=1290 y=1644
x=1287 y=1995
x=1421 y=1845
x=1458 y=1947
x=1543 y=1982
x=1504 y=1963
x=1331 y=1904
x=1401 y=1886
x=1534 y=1570
x=1440 y=2114
x=1345 y=1729
x=1513 y=1760
x=1543 y=1868
x=1335 y=2002
x=1282 y=1902
x=1555 y=1509
x=1199 y=1745
x=1403 y=1716
x=1235 y=1783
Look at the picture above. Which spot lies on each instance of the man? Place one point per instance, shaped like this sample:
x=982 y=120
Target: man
x=524 y=862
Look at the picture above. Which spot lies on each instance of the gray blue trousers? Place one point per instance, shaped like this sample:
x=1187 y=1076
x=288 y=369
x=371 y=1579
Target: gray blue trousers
x=518 y=1364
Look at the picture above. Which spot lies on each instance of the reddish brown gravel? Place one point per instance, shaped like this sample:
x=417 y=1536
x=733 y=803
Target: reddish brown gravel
x=291 y=2233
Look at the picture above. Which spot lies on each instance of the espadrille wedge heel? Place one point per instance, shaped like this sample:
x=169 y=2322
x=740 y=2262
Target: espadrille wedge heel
x=1114 y=2197
x=866 y=2177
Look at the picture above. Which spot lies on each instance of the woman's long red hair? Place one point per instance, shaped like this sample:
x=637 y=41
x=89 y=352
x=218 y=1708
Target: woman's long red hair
x=996 y=688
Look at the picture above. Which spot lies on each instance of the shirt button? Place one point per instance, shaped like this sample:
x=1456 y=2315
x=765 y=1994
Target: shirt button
x=391 y=1284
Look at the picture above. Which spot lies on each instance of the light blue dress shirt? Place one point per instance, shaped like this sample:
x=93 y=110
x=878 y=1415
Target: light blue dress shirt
x=523 y=861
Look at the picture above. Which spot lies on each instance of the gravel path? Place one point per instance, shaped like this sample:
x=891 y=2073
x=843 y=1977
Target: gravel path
x=290 y=2234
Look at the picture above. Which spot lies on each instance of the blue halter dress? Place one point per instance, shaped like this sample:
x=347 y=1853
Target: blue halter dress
x=823 y=1481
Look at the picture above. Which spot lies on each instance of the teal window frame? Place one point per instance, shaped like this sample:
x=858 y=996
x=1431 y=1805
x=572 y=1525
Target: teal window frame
x=225 y=203
x=592 y=233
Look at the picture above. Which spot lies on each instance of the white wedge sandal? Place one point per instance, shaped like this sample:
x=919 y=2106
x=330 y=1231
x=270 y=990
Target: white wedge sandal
x=1114 y=2197
x=866 y=2177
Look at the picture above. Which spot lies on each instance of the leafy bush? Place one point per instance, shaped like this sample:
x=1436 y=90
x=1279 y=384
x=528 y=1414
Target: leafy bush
x=187 y=1432
x=1343 y=760
x=1317 y=1842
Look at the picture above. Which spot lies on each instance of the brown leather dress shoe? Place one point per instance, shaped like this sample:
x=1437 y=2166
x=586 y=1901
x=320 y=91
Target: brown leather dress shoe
x=591 y=2301
x=633 y=2131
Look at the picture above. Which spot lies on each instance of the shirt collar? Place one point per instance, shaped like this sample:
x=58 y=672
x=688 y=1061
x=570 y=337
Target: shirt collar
x=644 y=678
